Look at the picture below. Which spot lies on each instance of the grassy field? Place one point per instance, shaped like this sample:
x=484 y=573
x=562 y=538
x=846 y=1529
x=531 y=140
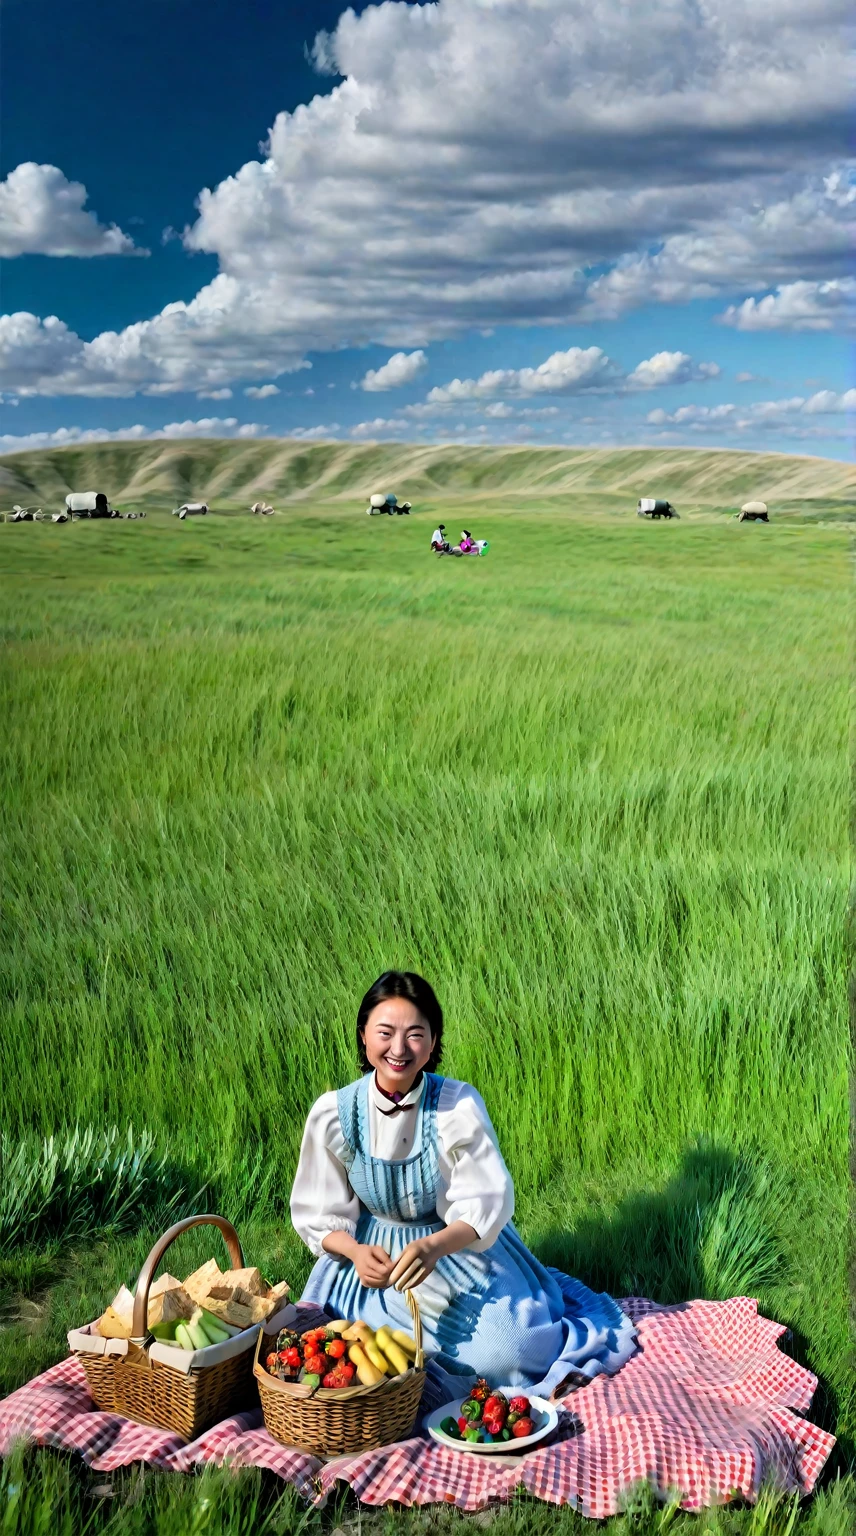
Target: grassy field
x=156 y=476
x=594 y=786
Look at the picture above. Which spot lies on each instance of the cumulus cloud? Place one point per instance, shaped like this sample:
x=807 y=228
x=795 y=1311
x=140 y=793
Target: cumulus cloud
x=562 y=373
x=670 y=368
x=42 y=213
x=580 y=370
x=261 y=391
x=401 y=368
x=313 y=434
x=802 y=232
x=381 y=426
x=67 y=437
x=477 y=161
x=801 y=306
x=782 y=415
x=198 y=346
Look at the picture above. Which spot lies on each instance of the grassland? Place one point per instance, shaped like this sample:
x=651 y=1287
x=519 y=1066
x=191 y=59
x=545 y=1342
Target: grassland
x=232 y=475
x=595 y=786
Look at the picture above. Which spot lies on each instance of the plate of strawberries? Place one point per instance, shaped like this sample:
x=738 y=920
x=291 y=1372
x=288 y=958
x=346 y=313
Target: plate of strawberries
x=493 y=1419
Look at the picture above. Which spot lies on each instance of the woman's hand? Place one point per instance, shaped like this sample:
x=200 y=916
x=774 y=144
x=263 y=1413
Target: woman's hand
x=414 y=1264
x=418 y=1259
x=373 y=1265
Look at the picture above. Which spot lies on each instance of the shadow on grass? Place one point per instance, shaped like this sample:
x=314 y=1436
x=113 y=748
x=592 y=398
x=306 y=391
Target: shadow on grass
x=718 y=1228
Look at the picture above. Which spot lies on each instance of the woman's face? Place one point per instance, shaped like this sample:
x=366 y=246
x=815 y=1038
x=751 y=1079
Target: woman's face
x=398 y=1043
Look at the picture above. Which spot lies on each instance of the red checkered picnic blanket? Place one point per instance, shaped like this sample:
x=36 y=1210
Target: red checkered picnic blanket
x=708 y=1408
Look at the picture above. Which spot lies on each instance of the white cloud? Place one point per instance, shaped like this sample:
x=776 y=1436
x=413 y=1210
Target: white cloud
x=563 y=373
x=66 y=437
x=198 y=346
x=401 y=368
x=746 y=243
x=801 y=306
x=41 y=212
x=478 y=160
x=669 y=368
x=261 y=391
x=381 y=427
x=312 y=434
x=577 y=371
x=778 y=415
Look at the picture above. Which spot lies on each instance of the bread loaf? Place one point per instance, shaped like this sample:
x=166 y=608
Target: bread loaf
x=200 y=1282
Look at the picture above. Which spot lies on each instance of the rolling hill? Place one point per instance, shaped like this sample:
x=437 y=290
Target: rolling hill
x=161 y=474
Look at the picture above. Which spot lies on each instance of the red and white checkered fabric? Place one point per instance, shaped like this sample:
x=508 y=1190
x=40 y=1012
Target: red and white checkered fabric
x=708 y=1408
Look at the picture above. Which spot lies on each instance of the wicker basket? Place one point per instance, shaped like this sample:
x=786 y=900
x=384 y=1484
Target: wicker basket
x=337 y=1422
x=150 y=1392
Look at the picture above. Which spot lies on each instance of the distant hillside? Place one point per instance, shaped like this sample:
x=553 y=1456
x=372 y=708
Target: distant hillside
x=163 y=474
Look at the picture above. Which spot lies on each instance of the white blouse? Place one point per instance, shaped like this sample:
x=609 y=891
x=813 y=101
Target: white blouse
x=475 y=1187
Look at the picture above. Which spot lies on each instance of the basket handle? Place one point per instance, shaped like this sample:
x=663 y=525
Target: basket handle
x=147 y=1273
x=413 y=1304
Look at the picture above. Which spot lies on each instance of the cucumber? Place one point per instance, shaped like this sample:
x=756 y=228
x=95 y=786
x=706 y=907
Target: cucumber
x=215 y=1335
x=198 y=1335
x=208 y=1317
x=183 y=1338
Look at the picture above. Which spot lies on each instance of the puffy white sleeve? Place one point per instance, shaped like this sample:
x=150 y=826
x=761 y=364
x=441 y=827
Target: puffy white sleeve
x=477 y=1186
x=322 y=1200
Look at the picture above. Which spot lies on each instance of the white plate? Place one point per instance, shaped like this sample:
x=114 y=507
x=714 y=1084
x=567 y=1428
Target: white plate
x=548 y=1418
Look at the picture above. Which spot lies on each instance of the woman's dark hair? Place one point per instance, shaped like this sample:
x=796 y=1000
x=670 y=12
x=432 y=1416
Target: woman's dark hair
x=418 y=992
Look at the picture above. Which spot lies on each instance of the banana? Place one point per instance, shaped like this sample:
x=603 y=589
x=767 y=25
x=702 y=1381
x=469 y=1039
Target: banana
x=367 y=1374
x=397 y=1358
x=405 y=1341
x=378 y=1358
x=358 y=1330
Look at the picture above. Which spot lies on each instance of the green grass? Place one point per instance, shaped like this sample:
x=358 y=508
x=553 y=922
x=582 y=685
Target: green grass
x=594 y=786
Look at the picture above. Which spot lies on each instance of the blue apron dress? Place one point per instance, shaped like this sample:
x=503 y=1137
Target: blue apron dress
x=500 y=1313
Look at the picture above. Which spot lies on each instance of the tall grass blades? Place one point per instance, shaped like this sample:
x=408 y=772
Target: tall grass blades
x=74 y=1185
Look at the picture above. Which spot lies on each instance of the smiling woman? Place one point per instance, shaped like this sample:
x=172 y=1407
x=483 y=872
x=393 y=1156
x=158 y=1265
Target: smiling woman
x=401 y=1185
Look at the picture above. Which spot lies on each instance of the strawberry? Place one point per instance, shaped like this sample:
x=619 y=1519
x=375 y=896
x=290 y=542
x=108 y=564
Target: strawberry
x=523 y=1427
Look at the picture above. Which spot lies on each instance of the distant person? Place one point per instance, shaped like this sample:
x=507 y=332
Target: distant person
x=439 y=542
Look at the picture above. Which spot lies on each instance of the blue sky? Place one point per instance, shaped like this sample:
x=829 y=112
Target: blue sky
x=482 y=220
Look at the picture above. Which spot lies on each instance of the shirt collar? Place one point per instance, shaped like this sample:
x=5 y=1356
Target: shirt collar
x=412 y=1097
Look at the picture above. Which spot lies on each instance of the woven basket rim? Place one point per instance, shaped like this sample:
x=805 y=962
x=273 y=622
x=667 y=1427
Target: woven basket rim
x=298 y=1390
